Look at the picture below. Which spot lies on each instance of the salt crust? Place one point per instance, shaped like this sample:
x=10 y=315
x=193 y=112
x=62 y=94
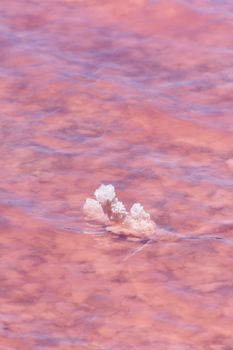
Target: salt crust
x=105 y=193
x=109 y=210
x=94 y=211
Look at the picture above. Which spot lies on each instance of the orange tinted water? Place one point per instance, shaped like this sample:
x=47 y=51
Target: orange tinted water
x=137 y=94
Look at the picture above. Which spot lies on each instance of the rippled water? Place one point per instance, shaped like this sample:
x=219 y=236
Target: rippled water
x=136 y=93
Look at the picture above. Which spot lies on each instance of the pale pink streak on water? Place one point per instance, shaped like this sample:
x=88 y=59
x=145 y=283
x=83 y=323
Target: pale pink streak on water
x=134 y=93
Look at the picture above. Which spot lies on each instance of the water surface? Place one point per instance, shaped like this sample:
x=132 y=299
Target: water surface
x=134 y=93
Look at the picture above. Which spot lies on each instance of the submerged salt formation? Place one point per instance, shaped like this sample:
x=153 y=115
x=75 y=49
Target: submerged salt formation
x=139 y=220
x=94 y=211
x=109 y=210
x=112 y=207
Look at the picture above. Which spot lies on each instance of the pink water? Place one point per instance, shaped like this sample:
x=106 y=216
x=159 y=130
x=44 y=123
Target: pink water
x=134 y=93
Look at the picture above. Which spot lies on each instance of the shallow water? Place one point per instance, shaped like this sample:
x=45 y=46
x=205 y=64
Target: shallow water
x=134 y=93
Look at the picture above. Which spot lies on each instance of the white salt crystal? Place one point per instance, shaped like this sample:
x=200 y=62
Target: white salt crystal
x=139 y=227
x=138 y=222
x=138 y=213
x=105 y=193
x=118 y=210
x=94 y=210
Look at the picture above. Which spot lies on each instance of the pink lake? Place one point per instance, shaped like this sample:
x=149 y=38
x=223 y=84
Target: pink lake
x=136 y=93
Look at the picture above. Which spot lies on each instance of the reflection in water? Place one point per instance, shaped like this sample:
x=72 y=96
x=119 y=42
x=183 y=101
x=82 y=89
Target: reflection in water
x=136 y=93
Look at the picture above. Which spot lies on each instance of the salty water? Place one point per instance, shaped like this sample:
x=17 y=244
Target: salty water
x=136 y=93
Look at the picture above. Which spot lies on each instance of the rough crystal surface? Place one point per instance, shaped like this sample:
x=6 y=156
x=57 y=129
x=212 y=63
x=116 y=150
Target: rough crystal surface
x=107 y=208
x=105 y=193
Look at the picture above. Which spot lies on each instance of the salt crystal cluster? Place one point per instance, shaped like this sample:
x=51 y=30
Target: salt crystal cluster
x=105 y=193
x=109 y=210
x=139 y=221
x=138 y=213
x=118 y=209
x=94 y=211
